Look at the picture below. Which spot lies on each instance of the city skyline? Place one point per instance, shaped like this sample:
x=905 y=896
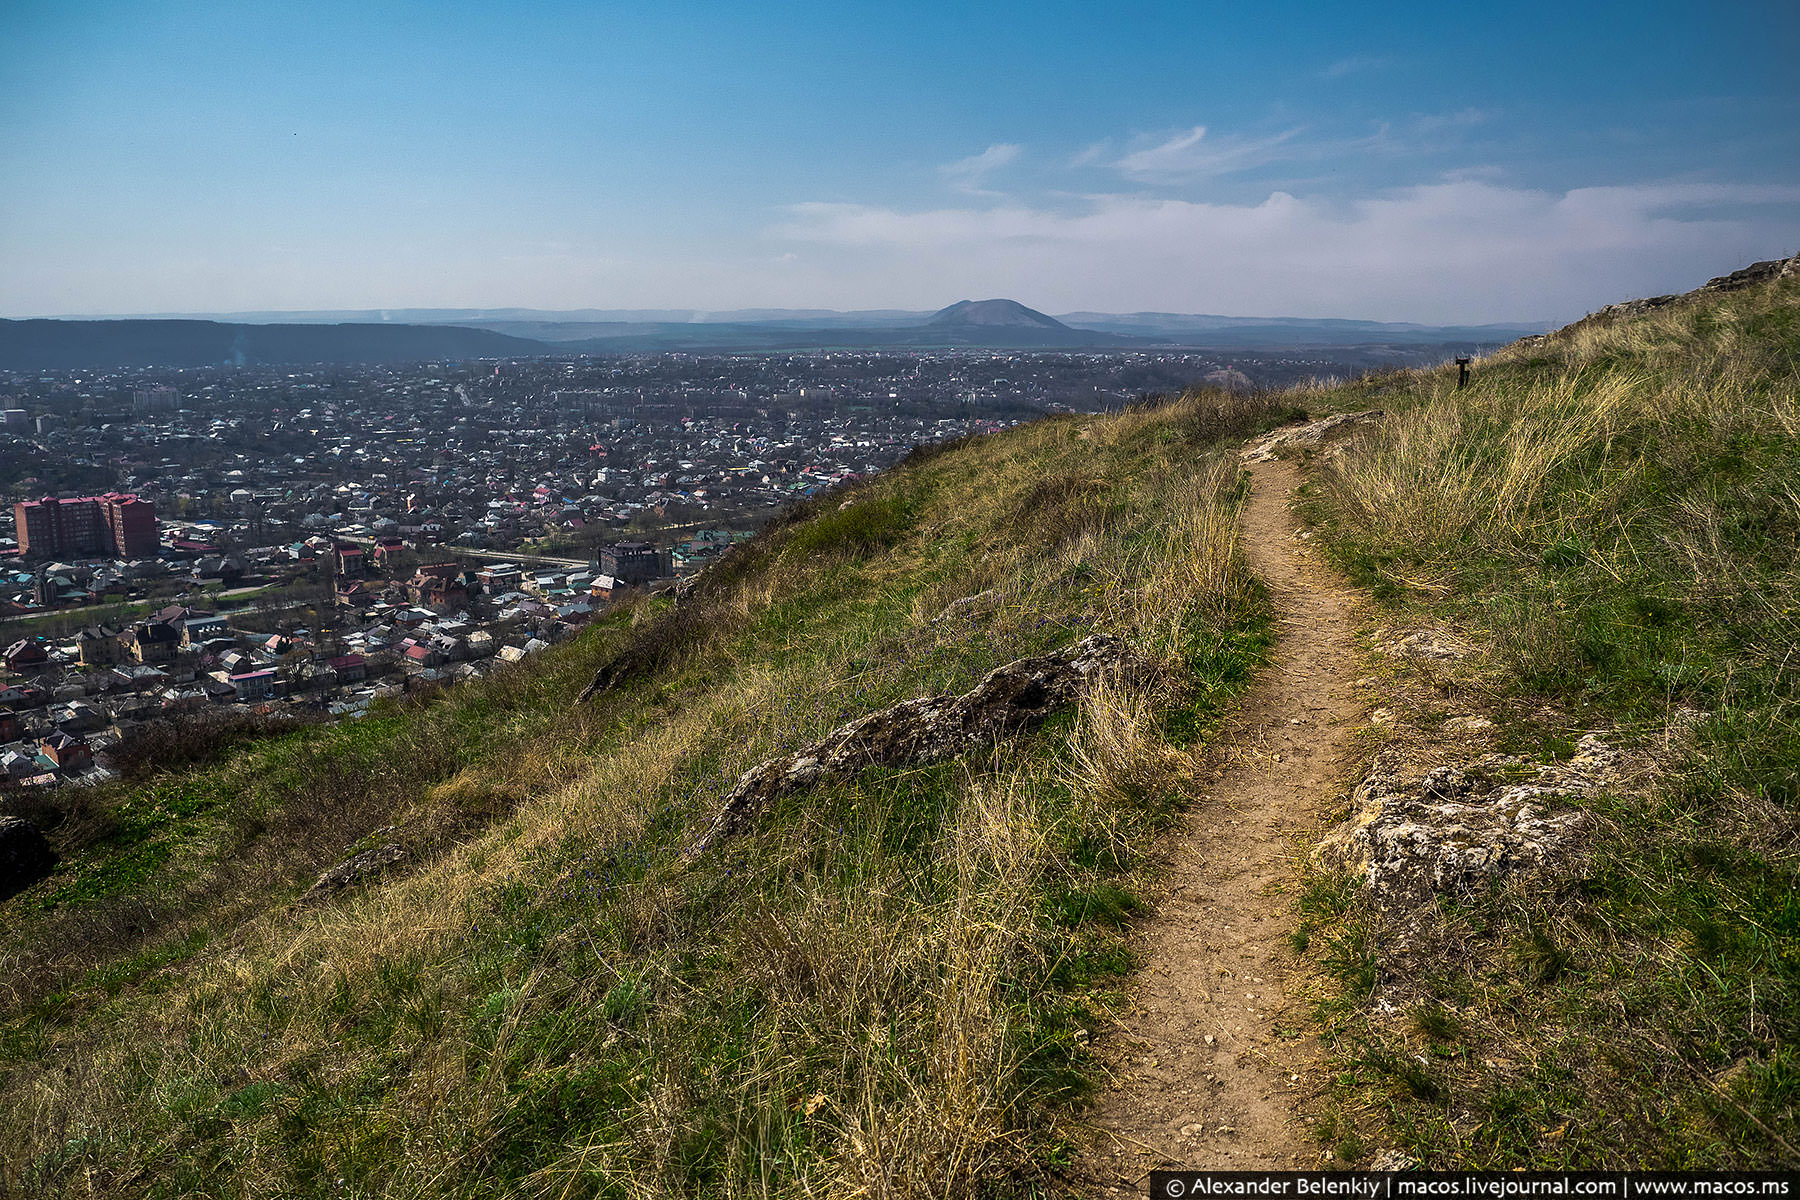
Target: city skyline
x=1520 y=164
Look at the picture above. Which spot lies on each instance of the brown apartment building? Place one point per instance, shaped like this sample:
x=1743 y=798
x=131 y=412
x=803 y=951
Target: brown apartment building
x=116 y=524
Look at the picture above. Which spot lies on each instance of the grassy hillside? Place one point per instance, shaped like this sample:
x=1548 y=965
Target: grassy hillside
x=1613 y=516
x=886 y=988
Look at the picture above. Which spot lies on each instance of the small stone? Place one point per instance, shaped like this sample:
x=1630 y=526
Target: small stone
x=1470 y=724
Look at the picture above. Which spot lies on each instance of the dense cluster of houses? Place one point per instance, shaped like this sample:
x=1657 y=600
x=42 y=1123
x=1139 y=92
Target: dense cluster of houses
x=67 y=702
x=387 y=497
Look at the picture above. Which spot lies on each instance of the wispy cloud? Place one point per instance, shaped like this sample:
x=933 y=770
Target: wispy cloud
x=969 y=174
x=1193 y=153
x=1356 y=64
x=1454 y=250
x=1199 y=152
x=1090 y=155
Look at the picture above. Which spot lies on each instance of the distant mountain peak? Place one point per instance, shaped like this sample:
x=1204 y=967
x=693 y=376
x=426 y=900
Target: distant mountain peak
x=990 y=313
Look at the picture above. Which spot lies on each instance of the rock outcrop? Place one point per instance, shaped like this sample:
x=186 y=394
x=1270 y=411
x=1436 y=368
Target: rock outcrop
x=1455 y=829
x=1310 y=436
x=354 y=870
x=25 y=857
x=1009 y=698
x=1750 y=276
x=1424 y=645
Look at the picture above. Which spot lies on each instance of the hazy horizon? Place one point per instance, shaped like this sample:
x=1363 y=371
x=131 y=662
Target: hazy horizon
x=697 y=316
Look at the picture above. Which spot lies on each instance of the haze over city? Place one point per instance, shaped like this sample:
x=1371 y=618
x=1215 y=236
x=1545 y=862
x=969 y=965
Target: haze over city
x=1408 y=162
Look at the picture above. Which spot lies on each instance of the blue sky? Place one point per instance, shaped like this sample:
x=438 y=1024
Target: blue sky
x=1432 y=162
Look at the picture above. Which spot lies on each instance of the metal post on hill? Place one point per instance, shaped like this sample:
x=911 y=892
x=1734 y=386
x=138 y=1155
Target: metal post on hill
x=1462 y=371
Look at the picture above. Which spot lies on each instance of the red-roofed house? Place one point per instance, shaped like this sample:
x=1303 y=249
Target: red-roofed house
x=69 y=753
x=26 y=654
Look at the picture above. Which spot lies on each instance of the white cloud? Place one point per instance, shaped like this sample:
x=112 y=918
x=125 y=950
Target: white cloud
x=1462 y=249
x=968 y=174
x=1198 y=153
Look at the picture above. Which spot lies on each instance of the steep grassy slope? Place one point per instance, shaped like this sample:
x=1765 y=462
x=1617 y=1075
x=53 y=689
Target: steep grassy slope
x=884 y=989
x=1614 y=516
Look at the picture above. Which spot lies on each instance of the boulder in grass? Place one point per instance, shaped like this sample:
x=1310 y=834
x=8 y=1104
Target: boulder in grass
x=932 y=728
x=354 y=870
x=1310 y=436
x=1452 y=831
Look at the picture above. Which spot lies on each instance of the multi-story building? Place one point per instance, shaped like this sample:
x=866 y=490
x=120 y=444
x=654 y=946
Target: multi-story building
x=98 y=646
x=50 y=528
x=633 y=562
x=132 y=523
x=155 y=399
x=114 y=524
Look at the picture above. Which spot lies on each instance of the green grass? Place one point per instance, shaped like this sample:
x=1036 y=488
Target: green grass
x=1614 y=517
x=889 y=983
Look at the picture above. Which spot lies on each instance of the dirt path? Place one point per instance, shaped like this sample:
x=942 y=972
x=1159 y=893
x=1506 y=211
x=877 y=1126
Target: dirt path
x=1214 y=1050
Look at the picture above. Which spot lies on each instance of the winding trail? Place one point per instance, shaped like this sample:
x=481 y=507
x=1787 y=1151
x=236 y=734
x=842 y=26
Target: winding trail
x=1215 y=1053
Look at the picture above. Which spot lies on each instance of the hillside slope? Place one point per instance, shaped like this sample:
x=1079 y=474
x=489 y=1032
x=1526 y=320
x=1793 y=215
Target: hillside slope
x=886 y=982
x=889 y=981
x=1598 y=539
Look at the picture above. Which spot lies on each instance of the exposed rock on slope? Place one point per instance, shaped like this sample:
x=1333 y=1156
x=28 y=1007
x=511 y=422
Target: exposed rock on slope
x=354 y=870
x=1423 y=645
x=1455 y=829
x=978 y=605
x=1750 y=276
x=1306 y=437
x=1013 y=697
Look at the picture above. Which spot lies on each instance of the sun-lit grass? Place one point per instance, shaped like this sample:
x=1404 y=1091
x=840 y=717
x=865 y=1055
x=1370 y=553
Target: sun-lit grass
x=1613 y=515
x=881 y=991
x=885 y=989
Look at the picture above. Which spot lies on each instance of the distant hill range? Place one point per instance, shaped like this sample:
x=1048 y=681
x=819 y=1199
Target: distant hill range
x=37 y=345
x=416 y=335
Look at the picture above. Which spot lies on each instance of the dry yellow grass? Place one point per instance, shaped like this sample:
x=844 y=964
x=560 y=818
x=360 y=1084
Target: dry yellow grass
x=1611 y=515
x=848 y=1005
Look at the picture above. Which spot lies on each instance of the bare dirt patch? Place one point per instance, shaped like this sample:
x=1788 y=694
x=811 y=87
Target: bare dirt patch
x=1214 y=1054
